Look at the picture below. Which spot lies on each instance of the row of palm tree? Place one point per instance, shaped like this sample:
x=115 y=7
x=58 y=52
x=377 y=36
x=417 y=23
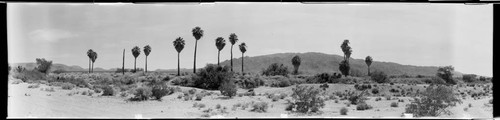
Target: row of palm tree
x=179 y=43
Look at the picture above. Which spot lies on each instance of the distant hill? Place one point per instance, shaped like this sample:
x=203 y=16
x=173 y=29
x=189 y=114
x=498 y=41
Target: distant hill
x=314 y=62
x=58 y=66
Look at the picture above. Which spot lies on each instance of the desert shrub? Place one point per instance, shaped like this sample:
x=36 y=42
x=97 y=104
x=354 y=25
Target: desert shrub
x=217 y=106
x=158 y=91
x=356 y=98
x=212 y=76
x=143 y=93
x=33 y=86
x=469 y=78
x=26 y=75
x=378 y=99
x=276 y=69
x=67 y=86
x=343 y=111
x=362 y=87
x=394 y=104
x=379 y=77
x=306 y=98
x=363 y=106
x=356 y=73
x=446 y=73
x=228 y=88
x=183 y=81
x=59 y=71
x=433 y=102
x=248 y=82
x=43 y=65
x=192 y=91
x=19 y=69
x=108 y=91
x=434 y=80
x=324 y=86
x=199 y=96
x=375 y=91
x=260 y=107
x=324 y=78
x=275 y=98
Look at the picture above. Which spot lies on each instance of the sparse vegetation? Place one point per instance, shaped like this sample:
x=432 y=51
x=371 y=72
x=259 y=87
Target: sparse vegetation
x=433 y=102
x=276 y=69
x=306 y=99
x=260 y=107
x=343 y=111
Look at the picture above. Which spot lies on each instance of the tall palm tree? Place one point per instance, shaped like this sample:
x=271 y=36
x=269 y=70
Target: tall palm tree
x=136 y=51
x=179 y=45
x=94 y=57
x=147 y=50
x=220 y=43
x=233 y=38
x=197 y=33
x=344 y=66
x=368 y=61
x=243 y=49
x=296 y=63
x=89 y=54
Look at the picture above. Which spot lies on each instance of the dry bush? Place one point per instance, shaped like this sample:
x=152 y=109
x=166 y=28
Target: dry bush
x=343 y=111
x=260 y=107
x=306 y=99
x=433 y=102
x=67 y=86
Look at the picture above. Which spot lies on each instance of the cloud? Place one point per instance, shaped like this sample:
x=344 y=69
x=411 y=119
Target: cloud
x=50 y=35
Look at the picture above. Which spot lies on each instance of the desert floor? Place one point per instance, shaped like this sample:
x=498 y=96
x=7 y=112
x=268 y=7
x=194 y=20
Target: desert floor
x=34 y=102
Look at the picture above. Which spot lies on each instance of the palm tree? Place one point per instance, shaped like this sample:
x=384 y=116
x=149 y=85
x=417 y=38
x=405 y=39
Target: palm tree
x=147 y=50
x=89 y=54
x=136 y=51
x=368 y=62
x=296 y=63
x=243 y=49
x=179 y=45
x=94 y=57
x=344 y=66
x=197 y=33
x=233 y=39
x=220 y=43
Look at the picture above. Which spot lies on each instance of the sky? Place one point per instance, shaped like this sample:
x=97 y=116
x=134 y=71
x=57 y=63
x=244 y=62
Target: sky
x=409 y=34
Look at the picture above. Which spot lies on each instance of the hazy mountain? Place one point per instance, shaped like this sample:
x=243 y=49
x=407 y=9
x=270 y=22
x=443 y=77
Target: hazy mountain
x=314 y=62
x=57 y=66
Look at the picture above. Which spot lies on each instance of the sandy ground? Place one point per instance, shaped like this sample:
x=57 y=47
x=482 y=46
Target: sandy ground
x=26 y=102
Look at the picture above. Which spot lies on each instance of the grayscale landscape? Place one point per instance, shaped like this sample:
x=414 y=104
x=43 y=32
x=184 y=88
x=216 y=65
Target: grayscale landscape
x=249 y=60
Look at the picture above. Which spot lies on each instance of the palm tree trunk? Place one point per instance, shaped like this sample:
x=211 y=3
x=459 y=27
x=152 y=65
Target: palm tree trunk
x=368 y=70
x=194 y=64
x=123 y=64
x=135 y=70
x=218 y=58
x=232 y=58
x=92 y=67
x=89 y=65
x=146 y=67
x=178 y=65
x=242 y=58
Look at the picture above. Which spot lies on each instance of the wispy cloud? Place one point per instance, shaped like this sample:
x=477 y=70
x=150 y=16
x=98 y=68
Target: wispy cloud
x=50 y=35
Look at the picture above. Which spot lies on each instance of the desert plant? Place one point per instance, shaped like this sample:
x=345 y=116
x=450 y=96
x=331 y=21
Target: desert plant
x=233 y=38
x=212 y=76
x=344 y=65
x=108 y=91
x=33 y=86
x=433 y=102
x=147 y=50
x=218 y=106
x=219 y=43
x=243 y=49
x=67 y=86
x=143 y=93
x=306 y=98
x=43 y=65
x=90 y=54
x=394 y=104
x=446 y=73
x=375 y=91
x=368 y=61
x=158 y=91
x=228 y=88
x=469 y=78
x=343 y=111
x=363 y=106
x=276 y=69
x=296 y=63
x=192 y=91
x=379 y=77
x=199 y=96
x=260 y=107
x=136 y=51
x=197 y=33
